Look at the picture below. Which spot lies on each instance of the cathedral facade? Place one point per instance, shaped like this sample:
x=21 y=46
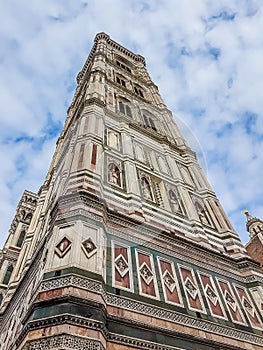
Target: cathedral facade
x=126 y=245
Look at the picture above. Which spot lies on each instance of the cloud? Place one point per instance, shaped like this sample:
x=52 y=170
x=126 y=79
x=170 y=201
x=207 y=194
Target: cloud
x=206 y=57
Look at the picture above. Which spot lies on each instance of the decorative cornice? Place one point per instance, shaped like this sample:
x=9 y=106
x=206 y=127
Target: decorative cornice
x=59 y=320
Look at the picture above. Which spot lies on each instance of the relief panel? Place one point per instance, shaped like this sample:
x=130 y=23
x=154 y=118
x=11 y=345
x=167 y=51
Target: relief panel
x=257 y=293
x=191 y=289
x=121 y=266
x=171 y=289
x=231 y=302
x=212 y=297
x=248 y=307
x=146 y=275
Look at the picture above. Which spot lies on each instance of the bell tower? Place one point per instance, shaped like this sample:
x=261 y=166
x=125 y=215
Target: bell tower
x=128 y=246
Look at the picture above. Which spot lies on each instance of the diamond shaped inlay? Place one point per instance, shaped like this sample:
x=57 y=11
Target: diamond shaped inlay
x=63 y=247
x=89 y=247
x=169 y=281
x=247 y=305
x=211 y=295
x=191 y=288
x=121 y=265
x=230 y=301
x=146 y=273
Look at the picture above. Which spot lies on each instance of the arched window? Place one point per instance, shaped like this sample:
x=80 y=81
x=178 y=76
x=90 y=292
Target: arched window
x=149 y=121
x=114 y=174
x=21 y=239
x=138 y=91
x=125 y=108
x=123 y=66
x=8 y=274
x=120 y=80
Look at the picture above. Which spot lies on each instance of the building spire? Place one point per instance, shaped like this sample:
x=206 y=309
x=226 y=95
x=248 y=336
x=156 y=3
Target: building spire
x=254 y=225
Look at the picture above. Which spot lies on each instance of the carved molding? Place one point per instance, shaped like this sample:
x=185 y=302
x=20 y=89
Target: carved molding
x=148 y=309
x=63 y=341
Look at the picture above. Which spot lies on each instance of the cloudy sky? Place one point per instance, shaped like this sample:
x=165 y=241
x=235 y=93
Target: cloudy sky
x=206 y=57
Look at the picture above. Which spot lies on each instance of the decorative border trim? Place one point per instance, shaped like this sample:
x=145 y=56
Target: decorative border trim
x=175 y=277
x=143 y=344
x=147 y=309
x=113 y=243
x=66 y=341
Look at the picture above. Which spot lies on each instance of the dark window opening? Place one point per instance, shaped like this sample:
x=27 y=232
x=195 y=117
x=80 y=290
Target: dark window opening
x=121 y=81
x=128 y=111
x=152 y=124
x=8 y=274
x=138 y=91
x=123 y=66
x=21 y=239
x=149 y=122
x=125 y=109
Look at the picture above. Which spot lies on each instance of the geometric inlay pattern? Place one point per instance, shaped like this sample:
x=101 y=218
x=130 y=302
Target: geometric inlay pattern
x=121 y=265
x=146 y=273
x=169 y=281
x=151 y=310
x=63 y=247
x=64 y=341
x=89 y=247
x=230 y=301
x=211 y=295
x=248 y=307
x=190 y=287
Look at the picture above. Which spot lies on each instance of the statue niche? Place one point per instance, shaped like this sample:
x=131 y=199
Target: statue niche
x=201 y=213
x=146 y=188
x=114 y=174
x=174 y=202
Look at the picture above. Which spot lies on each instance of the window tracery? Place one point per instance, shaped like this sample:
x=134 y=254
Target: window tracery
x=125 y=108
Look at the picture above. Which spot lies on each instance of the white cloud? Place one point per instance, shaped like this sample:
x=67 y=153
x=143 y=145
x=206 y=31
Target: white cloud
x=44 y=45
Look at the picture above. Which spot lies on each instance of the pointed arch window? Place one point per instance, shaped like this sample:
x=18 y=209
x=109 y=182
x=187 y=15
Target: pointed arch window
x=21 y=239
x=149 y=121
x=8 y=274
x=121 y=81
x=125 y=108
x=123 y=66
x=138 y=91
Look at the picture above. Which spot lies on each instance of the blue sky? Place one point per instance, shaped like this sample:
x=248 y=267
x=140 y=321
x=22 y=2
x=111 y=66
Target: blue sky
x=206 y=57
